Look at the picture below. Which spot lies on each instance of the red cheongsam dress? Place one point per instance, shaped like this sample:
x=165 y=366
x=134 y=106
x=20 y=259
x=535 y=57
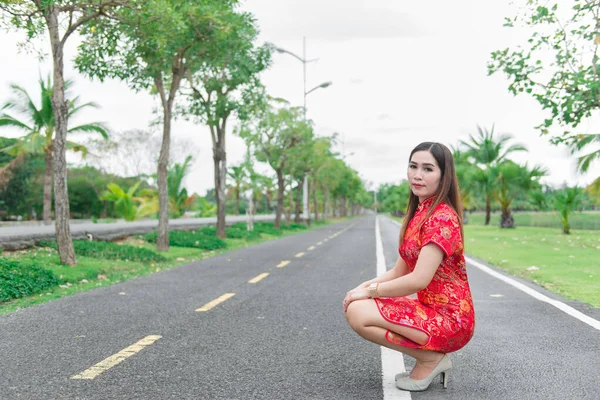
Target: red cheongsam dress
x=444 y=309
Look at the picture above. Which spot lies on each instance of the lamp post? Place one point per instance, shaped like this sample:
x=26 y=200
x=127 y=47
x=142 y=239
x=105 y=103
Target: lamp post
x=304 y=61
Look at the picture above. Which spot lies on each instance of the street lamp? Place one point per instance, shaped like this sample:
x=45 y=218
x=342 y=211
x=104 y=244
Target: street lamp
x=304 y=61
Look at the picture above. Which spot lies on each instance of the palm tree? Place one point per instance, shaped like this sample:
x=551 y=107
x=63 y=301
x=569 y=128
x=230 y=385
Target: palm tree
x=584 y=162
x=178 y=194
x=487 y=152
x=510 y=180
x=40 y=130
x=237 y=174
x=565 y=201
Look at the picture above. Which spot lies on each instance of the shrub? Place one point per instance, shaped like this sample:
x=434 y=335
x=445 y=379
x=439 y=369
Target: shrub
x=23 y=279
x=110 y=251
x=197 y=239
x=294 y=227
x=269 y=229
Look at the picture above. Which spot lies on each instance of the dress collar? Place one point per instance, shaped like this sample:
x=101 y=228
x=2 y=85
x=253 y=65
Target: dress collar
x=425 y=204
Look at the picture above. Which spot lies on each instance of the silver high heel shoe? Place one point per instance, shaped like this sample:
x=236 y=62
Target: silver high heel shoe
x=414 y=385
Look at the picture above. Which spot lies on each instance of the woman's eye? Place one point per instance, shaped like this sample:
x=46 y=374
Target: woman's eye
x=429 y=169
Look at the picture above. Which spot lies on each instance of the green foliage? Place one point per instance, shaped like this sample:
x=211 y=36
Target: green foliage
x=127 y=205
x=23 y=192
x=199 y=240
x=178 y=195
x=267 y=228
x=110 y=251
x=566 y=201
x=19 y=279
x=557 y=65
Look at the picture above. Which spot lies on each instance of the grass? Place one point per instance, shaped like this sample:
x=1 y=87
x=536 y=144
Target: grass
x=588 y=220
x=566 y=264
x=92 y=273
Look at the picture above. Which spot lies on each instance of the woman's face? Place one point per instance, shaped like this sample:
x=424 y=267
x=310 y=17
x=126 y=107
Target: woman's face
x=424 y=175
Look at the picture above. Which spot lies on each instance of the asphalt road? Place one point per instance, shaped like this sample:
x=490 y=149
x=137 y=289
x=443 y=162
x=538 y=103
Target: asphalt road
x=283 y=337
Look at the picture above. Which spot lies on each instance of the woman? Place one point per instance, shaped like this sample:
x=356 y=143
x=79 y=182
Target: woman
x=432 y=265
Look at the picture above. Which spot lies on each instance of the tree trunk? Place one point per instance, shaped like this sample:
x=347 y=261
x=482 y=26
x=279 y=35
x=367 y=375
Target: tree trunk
x=488 y=210
x=507 y=220
x=343 y=211
x=334 y=206
x=48 y=187
x=280 y=189
x=60 y=106
x=237 y=201
x=315 y=203
x=299 y=199
x=220 y=165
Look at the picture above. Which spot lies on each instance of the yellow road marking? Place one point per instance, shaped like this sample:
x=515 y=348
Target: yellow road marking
x=283 y=264
x=115 y=359
x=215 y=302
x=311 y=248
x=299 y=254
x=258 y=278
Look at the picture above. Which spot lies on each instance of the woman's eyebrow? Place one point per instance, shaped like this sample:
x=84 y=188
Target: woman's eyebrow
x=424 y=164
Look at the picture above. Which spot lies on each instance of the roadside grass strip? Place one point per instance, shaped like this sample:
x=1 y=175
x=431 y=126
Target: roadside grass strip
x=115 y=359
x=259 y=278
x=211 y=304
x=283 y=264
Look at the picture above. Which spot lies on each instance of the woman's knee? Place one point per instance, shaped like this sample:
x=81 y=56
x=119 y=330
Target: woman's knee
x=355 y=315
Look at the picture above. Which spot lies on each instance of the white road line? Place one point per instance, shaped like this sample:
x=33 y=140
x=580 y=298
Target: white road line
x=392 y=362
x=115 y=359
x=534 y=293
x=299 y=255
x=283 y=264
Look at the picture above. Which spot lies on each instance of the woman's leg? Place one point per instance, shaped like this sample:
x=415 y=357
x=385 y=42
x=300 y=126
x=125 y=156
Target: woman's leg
x=364 y=317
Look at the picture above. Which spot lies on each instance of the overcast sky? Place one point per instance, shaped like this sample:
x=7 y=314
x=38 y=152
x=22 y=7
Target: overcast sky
x=402 y=73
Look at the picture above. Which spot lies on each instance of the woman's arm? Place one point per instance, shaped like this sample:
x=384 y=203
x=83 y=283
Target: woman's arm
x=398 y=270
x=429 y=260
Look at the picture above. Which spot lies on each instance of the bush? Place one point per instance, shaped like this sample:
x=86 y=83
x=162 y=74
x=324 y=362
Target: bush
x=22 y=279
x=197 y=239
x=269 y=229
x=294 y=227
x=110 y=251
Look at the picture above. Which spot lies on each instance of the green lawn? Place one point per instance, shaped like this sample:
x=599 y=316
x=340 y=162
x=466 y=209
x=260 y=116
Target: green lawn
x=91 y=273
x=568 y=264
x=589 y=220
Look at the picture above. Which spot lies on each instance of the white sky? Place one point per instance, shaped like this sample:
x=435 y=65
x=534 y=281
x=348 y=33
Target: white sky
x=402 y=73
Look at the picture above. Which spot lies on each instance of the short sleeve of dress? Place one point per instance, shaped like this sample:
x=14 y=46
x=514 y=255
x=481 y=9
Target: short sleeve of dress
x=442 y=228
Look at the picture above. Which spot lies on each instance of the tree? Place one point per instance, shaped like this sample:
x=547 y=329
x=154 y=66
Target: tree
x=178 y=195
x=565 y=201
x=225 y=86
x=40 y=129
x=510 y=180
x=272 y=135
x=238 y=175
x=487 y=152
x=558 y=66
x=34 y=17
x=155 y=45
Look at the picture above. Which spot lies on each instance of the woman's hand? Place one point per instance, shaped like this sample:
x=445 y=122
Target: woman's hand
x=358 y=293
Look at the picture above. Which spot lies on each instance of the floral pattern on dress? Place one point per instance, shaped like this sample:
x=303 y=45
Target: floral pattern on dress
x=444 y=309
